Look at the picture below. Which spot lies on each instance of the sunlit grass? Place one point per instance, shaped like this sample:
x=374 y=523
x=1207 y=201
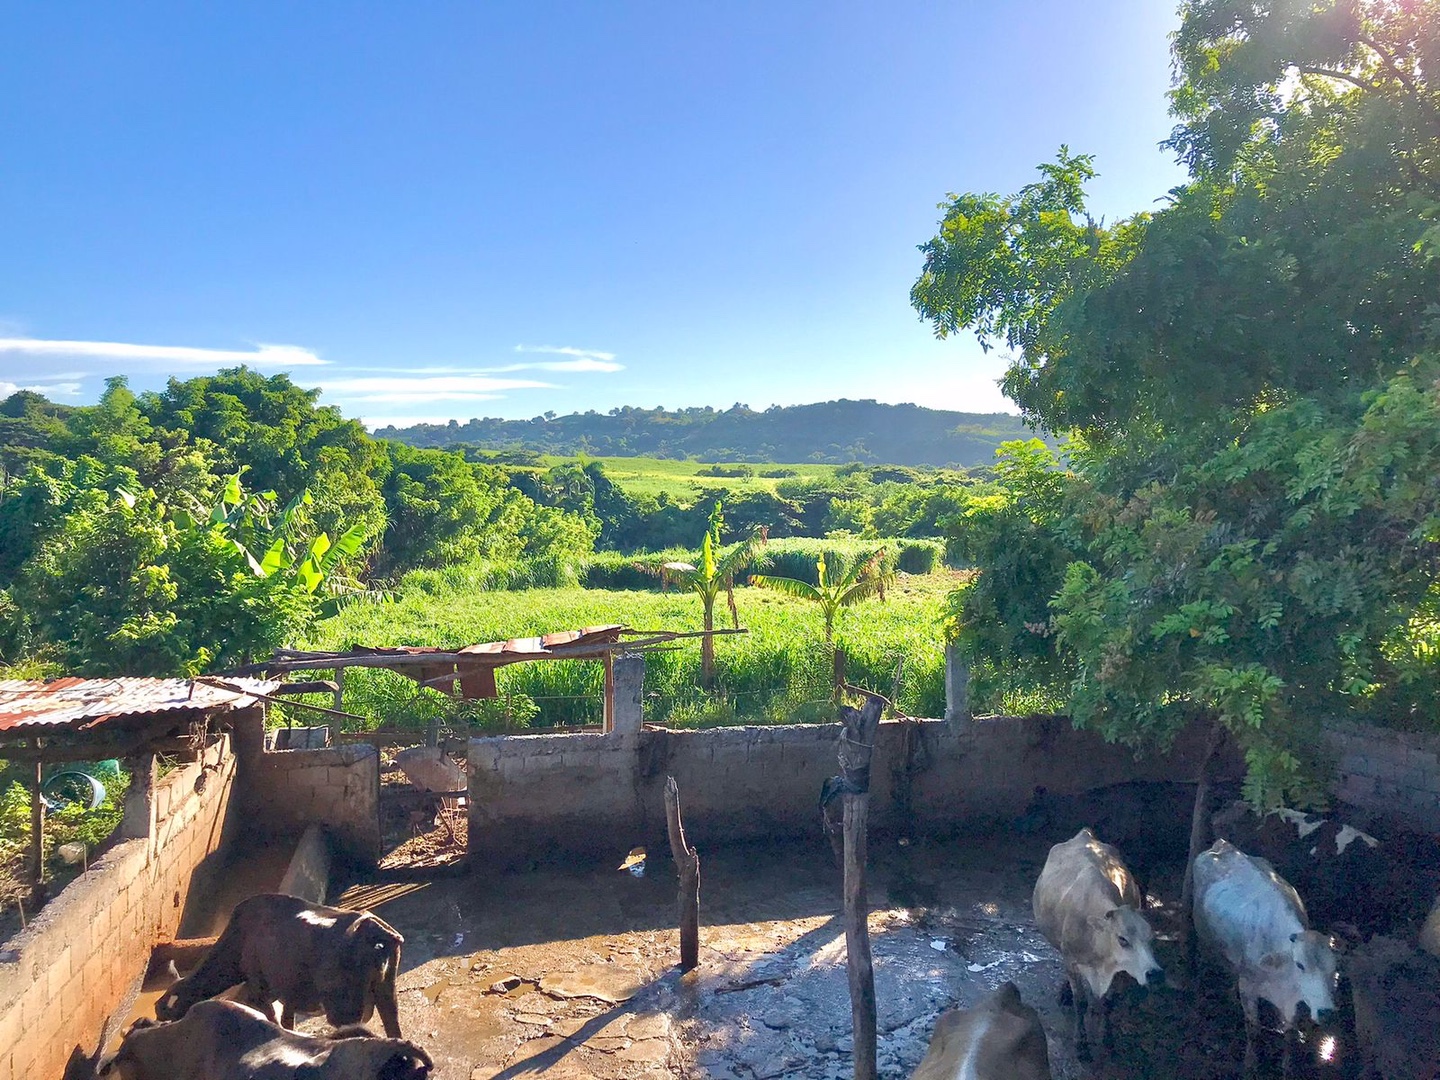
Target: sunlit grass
x=777 y=672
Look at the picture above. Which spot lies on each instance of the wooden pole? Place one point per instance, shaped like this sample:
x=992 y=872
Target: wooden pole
x=37 y=833
x=339 y=688
x=687 y=863
x=857 y=742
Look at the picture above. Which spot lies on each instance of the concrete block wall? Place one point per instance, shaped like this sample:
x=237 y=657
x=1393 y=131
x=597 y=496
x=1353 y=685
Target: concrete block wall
x=1392 y=774
x=338 y=788
x=594 y=795
x=88 y=948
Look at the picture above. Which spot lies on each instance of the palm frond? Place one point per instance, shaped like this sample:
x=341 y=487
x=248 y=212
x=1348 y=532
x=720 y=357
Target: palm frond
x=801 y=590
x=860 y=590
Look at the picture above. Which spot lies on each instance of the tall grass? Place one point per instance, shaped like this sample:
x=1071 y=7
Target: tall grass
x=777 y=672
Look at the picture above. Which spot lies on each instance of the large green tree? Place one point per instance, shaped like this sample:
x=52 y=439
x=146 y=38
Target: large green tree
x=1251 y=523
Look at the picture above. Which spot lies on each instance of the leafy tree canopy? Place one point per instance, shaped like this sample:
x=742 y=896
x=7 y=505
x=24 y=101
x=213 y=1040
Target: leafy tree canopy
x=1248 y=530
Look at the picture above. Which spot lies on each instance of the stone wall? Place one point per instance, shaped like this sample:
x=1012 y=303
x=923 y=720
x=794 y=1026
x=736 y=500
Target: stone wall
x=596 y=795
x=86 y=950
x=1392 y=774
x=338 y=788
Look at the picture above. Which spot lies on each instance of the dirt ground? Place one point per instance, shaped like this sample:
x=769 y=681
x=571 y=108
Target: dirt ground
x=566 y=972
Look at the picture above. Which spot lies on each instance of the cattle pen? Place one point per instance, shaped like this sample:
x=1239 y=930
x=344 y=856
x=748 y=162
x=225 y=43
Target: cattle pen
x=552 y=949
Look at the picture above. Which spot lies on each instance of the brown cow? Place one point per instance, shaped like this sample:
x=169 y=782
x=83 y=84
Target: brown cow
x=224 y=1040
x=1087 y=905
x=999 y=1038
x=309 y=957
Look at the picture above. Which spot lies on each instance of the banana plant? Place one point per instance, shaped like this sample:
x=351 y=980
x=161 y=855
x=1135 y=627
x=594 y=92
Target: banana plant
x=272 y=542
x=714 y=574
x=842 y=583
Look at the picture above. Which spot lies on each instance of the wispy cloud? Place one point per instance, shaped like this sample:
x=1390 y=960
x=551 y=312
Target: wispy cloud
x=58 y=386
x=580 y=359
x=411 y=390
x=261 y=355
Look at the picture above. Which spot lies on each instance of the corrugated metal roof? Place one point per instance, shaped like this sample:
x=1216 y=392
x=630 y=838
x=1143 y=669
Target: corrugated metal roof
x=86 y=703
x=506 y=651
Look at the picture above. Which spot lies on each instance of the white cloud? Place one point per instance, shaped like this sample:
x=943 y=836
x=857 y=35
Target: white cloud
x=580 y=359
x=433 y=388
x=60 y=388
x=260 y=356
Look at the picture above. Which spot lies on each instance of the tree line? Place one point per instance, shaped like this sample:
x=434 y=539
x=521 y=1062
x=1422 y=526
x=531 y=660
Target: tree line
x=834 y=432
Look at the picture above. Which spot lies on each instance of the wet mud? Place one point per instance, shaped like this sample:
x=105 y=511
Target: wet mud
x=567 y=971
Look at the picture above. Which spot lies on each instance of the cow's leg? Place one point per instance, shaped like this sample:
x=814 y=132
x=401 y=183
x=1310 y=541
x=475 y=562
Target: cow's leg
x=1251 y=1007
x=389 y=1015
x=1080 y=995
x=287 y=1016
x=1287 y=1054
x=1107 y=1034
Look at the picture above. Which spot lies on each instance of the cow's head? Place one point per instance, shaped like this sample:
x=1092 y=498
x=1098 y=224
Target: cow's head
x=366 y=965
x=406 y=1062
x=383 y=1059
x=1124 y=937
x=1305 y=972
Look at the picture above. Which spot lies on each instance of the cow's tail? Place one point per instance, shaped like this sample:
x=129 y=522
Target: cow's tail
x=219 y=971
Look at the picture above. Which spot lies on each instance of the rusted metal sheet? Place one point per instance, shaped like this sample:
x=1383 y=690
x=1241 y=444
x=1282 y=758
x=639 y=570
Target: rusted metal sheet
x=83 y=704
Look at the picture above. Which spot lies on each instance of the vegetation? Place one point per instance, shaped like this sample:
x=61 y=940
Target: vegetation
x=832 y=431
x=1247 y=529
x=778 y=671
x=712 y=573
x=129 y=543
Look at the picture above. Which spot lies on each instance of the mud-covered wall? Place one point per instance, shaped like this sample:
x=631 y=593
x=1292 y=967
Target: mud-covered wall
x=70 y=969
x=337 y=788
x=596 y=794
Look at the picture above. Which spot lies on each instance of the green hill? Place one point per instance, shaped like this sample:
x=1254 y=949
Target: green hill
x=832 y=432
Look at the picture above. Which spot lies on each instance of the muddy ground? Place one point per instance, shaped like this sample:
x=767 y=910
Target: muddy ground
x=565 y=971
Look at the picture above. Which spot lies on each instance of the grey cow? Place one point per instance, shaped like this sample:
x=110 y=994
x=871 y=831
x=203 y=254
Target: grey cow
x=309 y=957
x=224 y=1040
x=1254 y=920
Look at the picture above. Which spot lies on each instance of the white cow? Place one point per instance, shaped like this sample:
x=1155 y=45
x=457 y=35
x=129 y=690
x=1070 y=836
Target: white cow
x=1252 y=918
x=1087 y=905
x=999 y=1038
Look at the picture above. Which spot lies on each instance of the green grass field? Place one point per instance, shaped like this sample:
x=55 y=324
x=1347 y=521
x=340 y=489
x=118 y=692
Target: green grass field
x=683 y=479
x=778 y=672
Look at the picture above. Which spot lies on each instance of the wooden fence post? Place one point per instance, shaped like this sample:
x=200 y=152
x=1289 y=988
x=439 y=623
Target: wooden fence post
x=687 y=862
x=857 y=742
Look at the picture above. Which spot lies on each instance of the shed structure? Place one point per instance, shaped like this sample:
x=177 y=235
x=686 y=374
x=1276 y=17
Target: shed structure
x=45 y=722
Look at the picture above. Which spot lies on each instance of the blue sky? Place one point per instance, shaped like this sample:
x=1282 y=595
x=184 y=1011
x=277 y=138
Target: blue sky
x=453 y=210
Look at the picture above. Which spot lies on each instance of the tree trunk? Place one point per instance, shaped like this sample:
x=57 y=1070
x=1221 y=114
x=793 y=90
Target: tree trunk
x=687 y=863
x=707 y=648
x=857 y=741
x=1199 y=837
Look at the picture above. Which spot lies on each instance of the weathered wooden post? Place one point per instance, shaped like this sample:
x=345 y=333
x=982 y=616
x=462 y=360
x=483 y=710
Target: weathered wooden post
x=687 y=862
x=857 y=743
x=37 y=829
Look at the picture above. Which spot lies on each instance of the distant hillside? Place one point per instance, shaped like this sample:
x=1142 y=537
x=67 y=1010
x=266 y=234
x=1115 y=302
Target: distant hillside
x=833 y=431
